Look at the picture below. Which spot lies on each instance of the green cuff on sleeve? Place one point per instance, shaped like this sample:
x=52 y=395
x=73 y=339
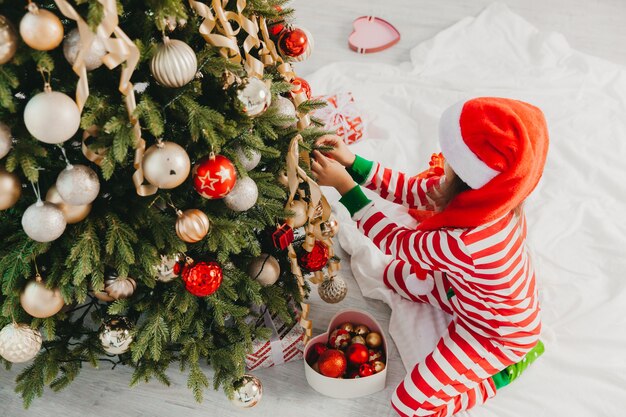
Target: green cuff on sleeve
x=360 y=169
x=354 y=200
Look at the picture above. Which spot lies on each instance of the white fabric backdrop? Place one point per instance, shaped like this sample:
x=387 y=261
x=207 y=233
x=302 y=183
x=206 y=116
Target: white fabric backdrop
x=577 y=229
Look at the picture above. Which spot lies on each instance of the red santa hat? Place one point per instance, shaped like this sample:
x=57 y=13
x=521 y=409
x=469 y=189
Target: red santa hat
x=498 y=147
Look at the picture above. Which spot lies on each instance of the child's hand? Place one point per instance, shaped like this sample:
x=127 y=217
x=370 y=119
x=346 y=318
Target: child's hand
x=341 y=153
x=331 y=173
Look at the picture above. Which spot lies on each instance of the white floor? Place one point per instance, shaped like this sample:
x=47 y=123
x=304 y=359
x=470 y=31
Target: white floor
x=594 y=27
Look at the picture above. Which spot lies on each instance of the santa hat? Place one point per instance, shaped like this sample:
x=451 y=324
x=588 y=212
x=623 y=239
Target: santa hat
x=498 y=147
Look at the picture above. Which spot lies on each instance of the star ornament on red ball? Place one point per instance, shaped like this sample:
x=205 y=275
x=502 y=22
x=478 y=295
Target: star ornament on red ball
x=214 y=176
x=202 y=278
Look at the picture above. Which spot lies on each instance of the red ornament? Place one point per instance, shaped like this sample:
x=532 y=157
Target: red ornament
x=214 y=176
x=339 y=339
x=300 y=85
x=332 y=363
x=366 y=370
x=202 y=278
x=293 y=42
x=283 y=236
x=314 y=353
x=357 y=354
x=276 y=26
x=314 y=260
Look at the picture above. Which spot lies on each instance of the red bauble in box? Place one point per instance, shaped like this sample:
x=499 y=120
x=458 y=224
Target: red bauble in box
x=314 y=353
x=202 y=278
x=293 y=42
x=214 y=176
x=332 y=363
x=314 y=260
x=300 y=85
x=357 y=354
x=283 y=236
x=366 y=370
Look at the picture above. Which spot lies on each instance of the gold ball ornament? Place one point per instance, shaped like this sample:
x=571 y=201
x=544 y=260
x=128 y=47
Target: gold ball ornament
x=10 y=189
x=174 y=64
x=166 y=165
x=118 y=287
x=192 y=225
x=78 y=185
x=39 y=301
x=347 y=326
x=373 y=340
x=254 y=96
x=6 y=141
x=116 y=335
x=264 y=269
x=358 y=339
x=93 y=57
x=361 y=330
x=332 y=290
x=52 y=117
x=41 y=29
x=19 y=343
x=73 y=214
x=248 y=392
x=43 y=222
x=378 y=366
x=8 y=40
x=299 y=219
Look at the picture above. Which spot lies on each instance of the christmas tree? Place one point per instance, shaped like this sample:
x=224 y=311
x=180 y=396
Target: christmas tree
x=148 y=152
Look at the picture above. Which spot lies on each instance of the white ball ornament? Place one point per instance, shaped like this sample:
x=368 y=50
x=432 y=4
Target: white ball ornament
x=243 y=196
x=43 y=222
x=255 y=97
x=19 y=343
x=52 y=117
x=5 y=140
x=166 y=165
x=93 y=57
x=39 y=301
x=78 y=185
x=248 y=162
x=174 y=64
x=284 y=107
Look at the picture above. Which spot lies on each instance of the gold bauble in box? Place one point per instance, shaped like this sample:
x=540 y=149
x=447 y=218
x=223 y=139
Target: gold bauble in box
x=41 y=29
x=166 y=165
x=361 y=330
x=374 y=340
x=10 y=189
x=192 y=225
x=19 y=343
x=73 y=214
x=265 y=269
x=8 y=40
x=299 y=219
x=174 y=64
x=39 y=301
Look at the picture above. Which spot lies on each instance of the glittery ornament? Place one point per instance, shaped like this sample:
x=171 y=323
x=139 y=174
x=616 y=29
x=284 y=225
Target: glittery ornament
x=10 y=189
x=332 y=363
x=166 y=165
x=358 y=339
x=93 y=57
x=202 y=278
x=118 y=287
x=116 y=335
x=285 y=109
x=8 y=40
x=169 y=268
x=174 y=64
x=333 y=290
x=375 y=355
x=264 y=269
x=254 y=96
x=73 y=214
x=339 y=339
x=357 y=354
x=214 y=176
x=78 y=185
x=52 y=117
x=39 y=301
x=192 y=225
x=300 y=216
x=19 y=343
x=366 y=370
x=243 y=196
x=347 y=326
x=314 y=260
x=374 y=340
x=43 y=222
x=249 y=162
x=248 y=392
x=377 y=366
x=314 y=352
x=5 y=140
x=41 y=29
x=361 y=330
x=293 y=42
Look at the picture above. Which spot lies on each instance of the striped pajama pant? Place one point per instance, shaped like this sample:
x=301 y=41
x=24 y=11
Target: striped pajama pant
x=456 y=375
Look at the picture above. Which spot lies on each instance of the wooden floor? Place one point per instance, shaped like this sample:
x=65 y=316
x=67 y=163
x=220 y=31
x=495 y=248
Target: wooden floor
x=595 y=27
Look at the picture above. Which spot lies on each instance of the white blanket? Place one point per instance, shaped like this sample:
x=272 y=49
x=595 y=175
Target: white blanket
x=576 y=216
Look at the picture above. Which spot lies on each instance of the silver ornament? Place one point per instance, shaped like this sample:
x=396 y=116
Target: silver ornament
x=19 y=343
x=264 y=269
x=5 y=140
x=333 y=290
x=166 y=270
x=174 y=64
x=52 y=117
x=93 y=57
x=248 y=162
x=255 y=97
x=248 y=392
x=78 y=185
x=8 y=40
x=285 y=108
x=43 y=222
x=166 y=165
x=116 y=335
x=243 y=196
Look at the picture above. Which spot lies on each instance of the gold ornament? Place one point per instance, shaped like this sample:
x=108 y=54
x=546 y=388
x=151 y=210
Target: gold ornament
x=174 y=64
x=166 y=271
x=73 y=214
x=347 y=326
x=300 y=208
x=103 y=296
x=78 y=185
x=323 y=230
x=10 y=189
x=39 y=301
x=333 y=290
x=265 y=269
x=254 y=96
x=361 y=330
x=116 y=335
x=166 y=165
x=119 y=287
x=6 y=142
x=19 y=343
x=378 y=366
x=43 y=222
x=93 y=57
x=192 y=225
x=373 y=340
x=8 y=40
x=358 y=339
x=51 y=117
x=248 y=392
x=41 y=29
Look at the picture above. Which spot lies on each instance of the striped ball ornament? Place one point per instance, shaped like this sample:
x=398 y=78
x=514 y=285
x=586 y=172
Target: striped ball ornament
x=174 y=64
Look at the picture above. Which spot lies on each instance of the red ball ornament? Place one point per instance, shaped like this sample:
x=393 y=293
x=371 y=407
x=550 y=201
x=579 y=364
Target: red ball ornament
x=366 y=370
x=332 y=363
x=357 y=354
x=293 y=42
x=339 y=339
x=202 y=278
x=300 y=85
x=276 y=26
x=314 y=353
x=214 y=176
x=314 y=260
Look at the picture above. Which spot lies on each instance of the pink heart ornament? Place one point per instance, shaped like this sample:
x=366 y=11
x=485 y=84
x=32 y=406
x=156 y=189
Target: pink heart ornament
x=372 y=34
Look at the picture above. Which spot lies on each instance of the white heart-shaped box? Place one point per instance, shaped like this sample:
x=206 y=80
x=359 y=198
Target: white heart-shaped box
x=346 y=388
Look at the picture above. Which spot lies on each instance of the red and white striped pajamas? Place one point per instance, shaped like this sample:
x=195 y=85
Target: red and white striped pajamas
x=494 y=307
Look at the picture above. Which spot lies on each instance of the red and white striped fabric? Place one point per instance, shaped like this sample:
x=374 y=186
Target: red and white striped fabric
x=494 y=307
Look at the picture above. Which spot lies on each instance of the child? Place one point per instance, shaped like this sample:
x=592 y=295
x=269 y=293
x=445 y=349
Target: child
x=469 y=258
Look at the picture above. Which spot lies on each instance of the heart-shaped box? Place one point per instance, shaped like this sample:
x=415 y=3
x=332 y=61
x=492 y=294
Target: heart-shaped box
x=372 y=34
x=346 y=388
